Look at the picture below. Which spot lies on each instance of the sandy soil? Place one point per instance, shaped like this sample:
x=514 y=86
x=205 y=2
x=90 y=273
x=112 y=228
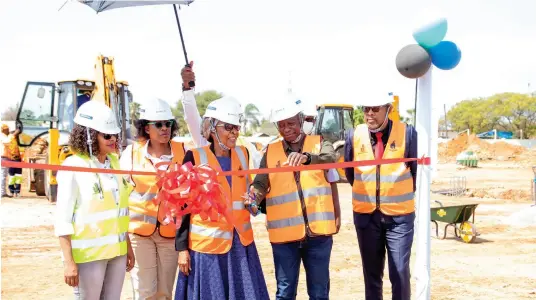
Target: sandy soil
x=500 y=264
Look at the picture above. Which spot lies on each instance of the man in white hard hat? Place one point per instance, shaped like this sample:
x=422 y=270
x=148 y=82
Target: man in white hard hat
x=383 y=196
x=302 y=208
x=193 y=118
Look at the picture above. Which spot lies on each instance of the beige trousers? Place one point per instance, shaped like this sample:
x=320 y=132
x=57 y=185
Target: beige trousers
x=153 y=275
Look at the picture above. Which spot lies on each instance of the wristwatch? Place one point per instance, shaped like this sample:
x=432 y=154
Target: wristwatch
x=308 y=161
x=184 y=88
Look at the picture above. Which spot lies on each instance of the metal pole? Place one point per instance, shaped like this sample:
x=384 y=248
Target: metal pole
x=416 y=93
x=445 y=127
x=534 y=185
x=191 y=83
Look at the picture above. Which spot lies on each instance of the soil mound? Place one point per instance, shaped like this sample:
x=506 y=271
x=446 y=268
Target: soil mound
x=484 y=150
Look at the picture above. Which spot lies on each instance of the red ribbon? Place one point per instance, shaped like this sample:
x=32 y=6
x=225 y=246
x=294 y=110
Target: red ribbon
x=187 y=189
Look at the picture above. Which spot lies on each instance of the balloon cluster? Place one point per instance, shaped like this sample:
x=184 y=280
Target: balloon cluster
x=414 y=60
x=187 y=189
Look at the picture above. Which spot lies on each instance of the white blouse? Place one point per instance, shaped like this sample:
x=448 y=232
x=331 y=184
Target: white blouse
x=71 y=185
x=126 y=159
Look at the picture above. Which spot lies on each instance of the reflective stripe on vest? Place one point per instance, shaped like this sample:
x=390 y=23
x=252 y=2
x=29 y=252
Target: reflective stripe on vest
x=144 y=213
x=100 y=228
x=216 y=237
x=284 y=210
x=396 y=196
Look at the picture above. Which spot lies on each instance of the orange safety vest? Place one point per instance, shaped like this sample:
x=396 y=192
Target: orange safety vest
x=11 y=148
x=145 y=215
x=291 y=206
x=216 y=237
x=391 y=184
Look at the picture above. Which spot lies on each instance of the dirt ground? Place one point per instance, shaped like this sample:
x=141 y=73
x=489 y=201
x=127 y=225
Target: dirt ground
x=500 y=264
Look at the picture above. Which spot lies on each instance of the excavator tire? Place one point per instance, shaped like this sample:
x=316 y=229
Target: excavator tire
x=40 y=184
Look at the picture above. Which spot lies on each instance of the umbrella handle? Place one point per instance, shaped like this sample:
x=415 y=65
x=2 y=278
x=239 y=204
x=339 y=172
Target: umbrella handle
x=191 y=83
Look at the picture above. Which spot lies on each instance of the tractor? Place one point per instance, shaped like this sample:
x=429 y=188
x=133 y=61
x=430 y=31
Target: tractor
x=46 y=115
x=333 y=122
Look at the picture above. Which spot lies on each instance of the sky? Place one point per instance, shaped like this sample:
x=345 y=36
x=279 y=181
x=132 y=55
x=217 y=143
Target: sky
x=332 y=51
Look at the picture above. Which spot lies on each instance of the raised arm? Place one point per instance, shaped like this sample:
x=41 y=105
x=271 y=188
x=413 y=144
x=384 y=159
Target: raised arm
x=189 y=105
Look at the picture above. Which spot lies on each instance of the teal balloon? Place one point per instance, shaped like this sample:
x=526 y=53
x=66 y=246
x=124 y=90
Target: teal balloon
x=431 y=34
x=446 y=55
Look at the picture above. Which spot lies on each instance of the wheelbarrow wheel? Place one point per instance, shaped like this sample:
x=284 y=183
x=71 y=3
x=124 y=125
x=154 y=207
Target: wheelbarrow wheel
x=468 y=232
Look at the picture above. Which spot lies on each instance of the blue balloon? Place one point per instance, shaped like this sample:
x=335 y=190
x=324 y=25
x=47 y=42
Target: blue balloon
x=431 y=34
x=446 y=55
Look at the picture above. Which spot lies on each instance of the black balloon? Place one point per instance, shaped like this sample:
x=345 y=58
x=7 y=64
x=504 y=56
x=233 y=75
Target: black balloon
x=413 y=61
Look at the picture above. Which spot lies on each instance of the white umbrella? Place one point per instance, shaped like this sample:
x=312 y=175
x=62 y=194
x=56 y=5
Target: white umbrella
x=99 y=6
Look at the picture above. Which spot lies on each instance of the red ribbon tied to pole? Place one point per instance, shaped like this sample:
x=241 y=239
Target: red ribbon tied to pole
x=188 y=189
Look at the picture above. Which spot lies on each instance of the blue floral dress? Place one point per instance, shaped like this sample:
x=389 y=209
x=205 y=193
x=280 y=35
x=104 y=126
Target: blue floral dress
x=235 y=275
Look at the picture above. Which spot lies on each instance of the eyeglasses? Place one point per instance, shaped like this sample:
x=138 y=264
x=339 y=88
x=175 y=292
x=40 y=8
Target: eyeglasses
x=373 y=108
x=108 y=136
x=229 y=127
x=161 y=124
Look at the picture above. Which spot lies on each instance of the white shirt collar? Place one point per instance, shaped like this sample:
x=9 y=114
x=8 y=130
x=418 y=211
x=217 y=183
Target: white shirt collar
x=149 y=156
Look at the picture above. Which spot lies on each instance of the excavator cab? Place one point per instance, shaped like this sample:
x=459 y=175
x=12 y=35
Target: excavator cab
x=332 y=123
x=46 y=119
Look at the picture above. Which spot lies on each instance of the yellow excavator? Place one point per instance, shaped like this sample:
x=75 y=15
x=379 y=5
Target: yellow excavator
x=46 y=115
x=333 y=121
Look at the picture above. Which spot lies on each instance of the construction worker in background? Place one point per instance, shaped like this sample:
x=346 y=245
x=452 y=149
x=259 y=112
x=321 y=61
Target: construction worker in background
x=11 y=152
x=302 y=208
x=383 y=197
x=91 y=218
x=216 y=259
x=152 y=238
x=193 y=118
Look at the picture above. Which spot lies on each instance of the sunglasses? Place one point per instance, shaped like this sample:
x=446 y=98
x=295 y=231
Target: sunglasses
x=161 y=124
x=229 y=127
x=373 y=108
x=107 y=136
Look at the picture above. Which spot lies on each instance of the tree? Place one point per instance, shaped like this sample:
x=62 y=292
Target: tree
x=10 y=114
x=409 y=118
x=202 y=99
x=359 y=116
x=134 y=111
x=505 y=112
x=251 y=117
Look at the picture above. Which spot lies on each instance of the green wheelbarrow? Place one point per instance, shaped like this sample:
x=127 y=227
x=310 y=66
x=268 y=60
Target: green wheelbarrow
x=456 y=216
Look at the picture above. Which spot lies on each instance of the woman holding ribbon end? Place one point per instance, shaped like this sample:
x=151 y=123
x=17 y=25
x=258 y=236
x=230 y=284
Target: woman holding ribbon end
x=151 y=233
x=92 y=216
x=219 y=259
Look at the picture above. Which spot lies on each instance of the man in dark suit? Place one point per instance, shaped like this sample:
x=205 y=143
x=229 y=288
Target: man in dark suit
x=383 y=197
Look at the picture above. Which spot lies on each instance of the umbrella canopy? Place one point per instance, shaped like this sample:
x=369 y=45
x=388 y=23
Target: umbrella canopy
x=100 y=5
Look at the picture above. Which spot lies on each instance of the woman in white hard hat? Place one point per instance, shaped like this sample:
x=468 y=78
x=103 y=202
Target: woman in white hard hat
x=92 y=218
x=152 y=238
x=194 y=122
x=219 y=260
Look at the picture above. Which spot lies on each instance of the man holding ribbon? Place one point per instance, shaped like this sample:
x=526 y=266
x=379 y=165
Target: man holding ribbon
x=302 y=207
x=383 y=196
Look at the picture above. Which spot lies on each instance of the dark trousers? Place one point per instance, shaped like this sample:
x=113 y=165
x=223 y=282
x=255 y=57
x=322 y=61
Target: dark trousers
x=377 y=232
x=315 y=253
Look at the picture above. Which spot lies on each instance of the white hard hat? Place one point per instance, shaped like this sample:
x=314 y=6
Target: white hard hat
x=225 y=109
x=291 y=108
x=377 y=100
x=156 y=110
x=96 y=115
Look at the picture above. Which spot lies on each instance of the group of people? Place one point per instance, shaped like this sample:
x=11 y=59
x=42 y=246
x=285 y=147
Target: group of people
x=111 y=224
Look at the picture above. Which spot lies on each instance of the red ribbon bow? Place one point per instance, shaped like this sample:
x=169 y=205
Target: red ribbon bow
x=187 y=189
